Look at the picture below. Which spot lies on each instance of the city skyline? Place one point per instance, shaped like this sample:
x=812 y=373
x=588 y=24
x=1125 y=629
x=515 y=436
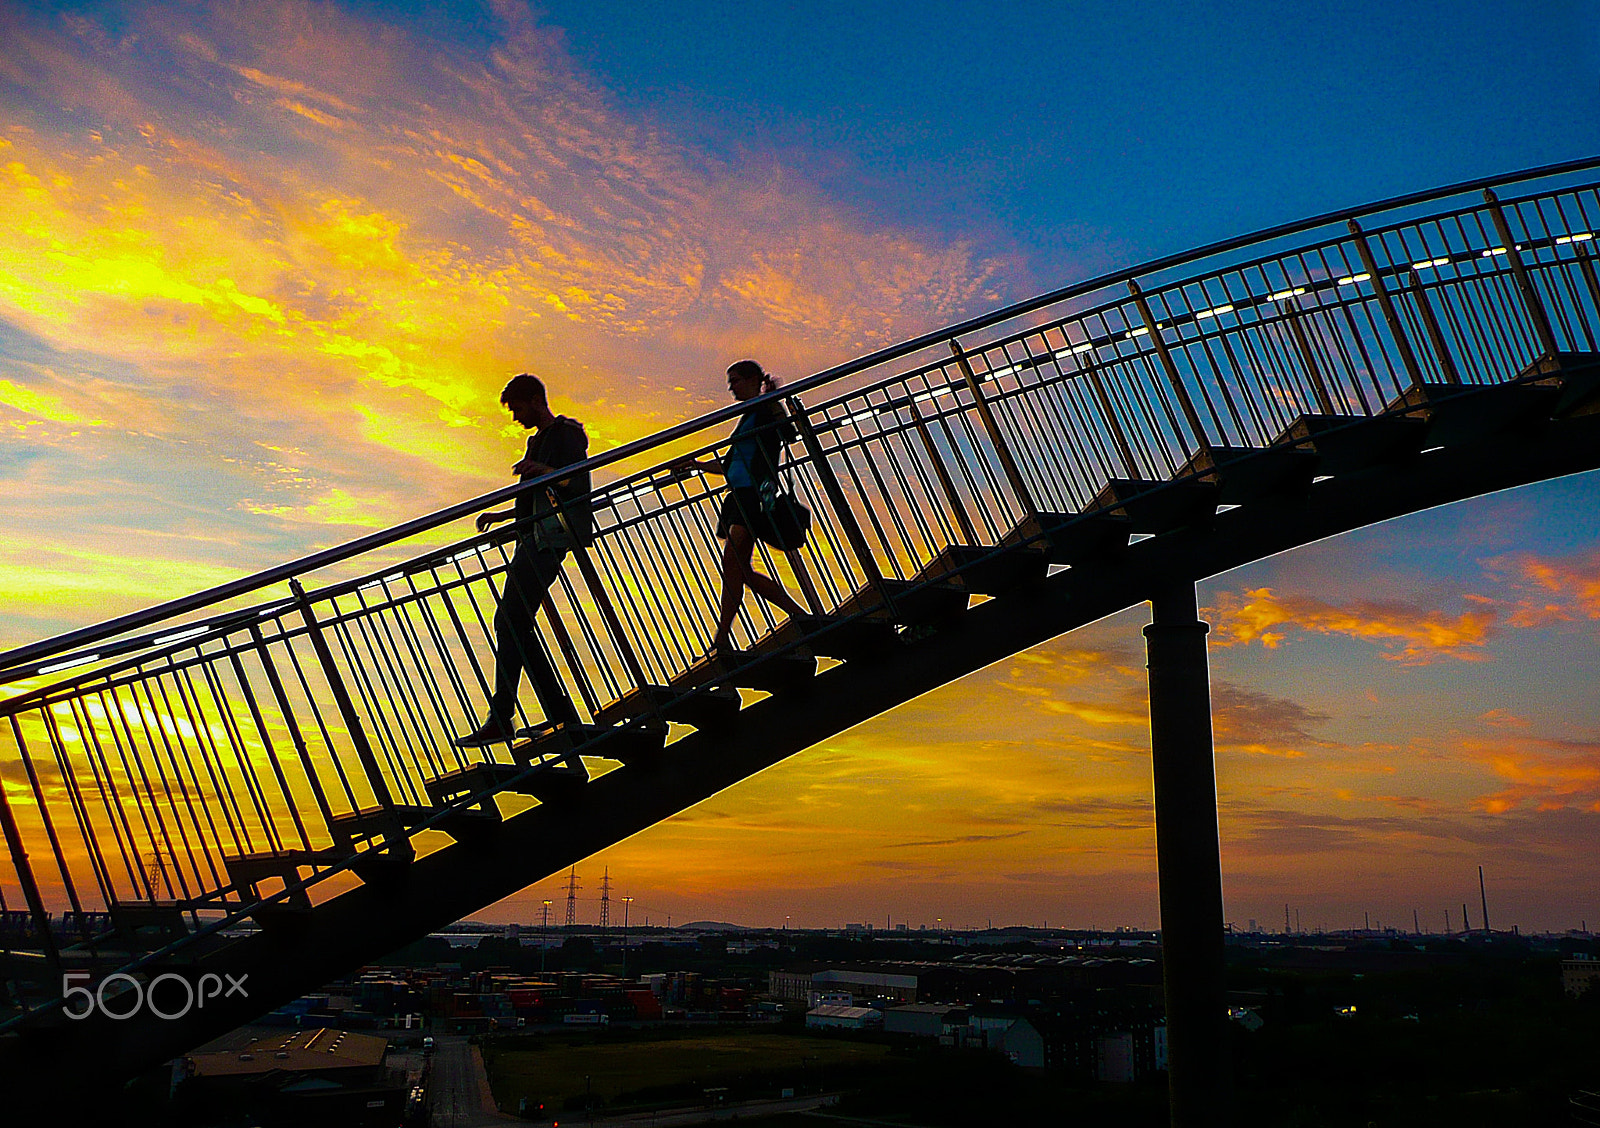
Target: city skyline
x=267 y=268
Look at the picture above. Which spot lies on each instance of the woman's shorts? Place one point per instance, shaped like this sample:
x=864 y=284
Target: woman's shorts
x=742 y=506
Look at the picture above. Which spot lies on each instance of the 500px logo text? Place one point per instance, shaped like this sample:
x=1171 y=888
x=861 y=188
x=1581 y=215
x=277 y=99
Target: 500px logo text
x=134 y=996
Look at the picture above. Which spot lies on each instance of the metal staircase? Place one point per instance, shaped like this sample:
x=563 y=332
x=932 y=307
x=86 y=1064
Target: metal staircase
x=257 y=785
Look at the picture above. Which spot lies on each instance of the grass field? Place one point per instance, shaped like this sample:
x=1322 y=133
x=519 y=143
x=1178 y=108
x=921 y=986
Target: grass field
x=553 y=1069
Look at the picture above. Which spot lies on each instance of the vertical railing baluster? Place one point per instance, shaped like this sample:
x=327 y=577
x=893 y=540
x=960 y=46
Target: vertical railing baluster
x=1008 y=463
x=1319 y=388
x=947 y=485
x=841 y=505
x=266 y=743
x=30 y=887
x=1170 y=368
x=569 y=653
x=341 y=698
x=602 y=599
x=1397 y=328
x=32 y=773
x=296 y=737
x=1436 y=341
x=1530 y=295
x=1586 y=268
x=1109 y=411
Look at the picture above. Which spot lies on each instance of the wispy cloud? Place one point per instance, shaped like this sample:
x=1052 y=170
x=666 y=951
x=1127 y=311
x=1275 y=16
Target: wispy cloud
x=1408 y=633
x=296 y=224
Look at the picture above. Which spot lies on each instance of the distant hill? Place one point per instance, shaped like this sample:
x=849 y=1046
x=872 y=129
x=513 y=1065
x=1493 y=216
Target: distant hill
x=713 y=926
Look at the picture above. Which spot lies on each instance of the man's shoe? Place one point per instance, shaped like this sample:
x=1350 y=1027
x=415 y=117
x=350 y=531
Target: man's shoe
x=492 y=731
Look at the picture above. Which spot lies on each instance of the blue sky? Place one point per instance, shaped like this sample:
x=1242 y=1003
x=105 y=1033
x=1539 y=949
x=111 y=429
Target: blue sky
x=1103 y=133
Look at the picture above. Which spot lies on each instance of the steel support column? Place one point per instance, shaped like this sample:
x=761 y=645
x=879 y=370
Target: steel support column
x=1188 y=859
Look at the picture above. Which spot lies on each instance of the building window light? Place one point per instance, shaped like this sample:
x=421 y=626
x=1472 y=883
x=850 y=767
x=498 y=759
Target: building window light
x=1580 y=237
x=1213 y=311
x=1492 y=251
x=1139 y=332
x=1282 y=294
x=1352 y=279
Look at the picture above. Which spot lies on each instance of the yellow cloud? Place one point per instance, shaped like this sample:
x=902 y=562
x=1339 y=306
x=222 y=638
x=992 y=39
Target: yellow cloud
x=42 y=404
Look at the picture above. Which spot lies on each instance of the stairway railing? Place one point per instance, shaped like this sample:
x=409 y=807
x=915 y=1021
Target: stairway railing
x=175 y=768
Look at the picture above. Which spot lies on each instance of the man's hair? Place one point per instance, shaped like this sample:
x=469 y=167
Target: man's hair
x=522 y=388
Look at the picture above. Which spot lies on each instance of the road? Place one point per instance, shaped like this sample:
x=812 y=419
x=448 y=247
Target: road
x=458 y=1087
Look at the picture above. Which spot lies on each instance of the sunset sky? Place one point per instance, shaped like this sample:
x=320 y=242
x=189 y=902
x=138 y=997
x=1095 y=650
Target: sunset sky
x=264 y=268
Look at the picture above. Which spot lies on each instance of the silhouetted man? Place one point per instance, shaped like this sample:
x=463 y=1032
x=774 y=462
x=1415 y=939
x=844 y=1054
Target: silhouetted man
x=545 y=534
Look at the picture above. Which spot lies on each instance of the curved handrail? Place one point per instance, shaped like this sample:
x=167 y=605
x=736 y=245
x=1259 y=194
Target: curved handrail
x=47 y=648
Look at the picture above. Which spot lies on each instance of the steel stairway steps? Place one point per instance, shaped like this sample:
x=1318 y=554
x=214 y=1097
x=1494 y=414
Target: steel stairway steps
x=1346 y=443
x=1466 y=412
x=1158 y=507
x=911 y=603
x=705 y=709
x=1244 y=474
x=989 y=570
x=1073 y=538
x=247 y=871
x=848 y=640
x=1578 y=374
x=377 y=823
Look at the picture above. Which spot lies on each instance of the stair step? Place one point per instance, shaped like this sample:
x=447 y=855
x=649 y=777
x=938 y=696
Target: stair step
x=468 y=781
x=1579 y=376
x=989 y=570
x=381 y=822
x=384 y=869
x=750 y=669
x=164 y=918
x=378 y=823
x=1346 y=443
x=555 y=783
x=913 y=602
x=280 y=917
x=637 y=741
x=248 y=869
x=1074 y=538
x=848 y=640
x=706 y=709
x=1244 y=474
x=1158 y=507
x=1464 y=412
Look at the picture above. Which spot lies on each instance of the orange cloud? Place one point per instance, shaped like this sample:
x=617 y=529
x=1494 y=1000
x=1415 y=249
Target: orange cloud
x=1547 y=775
x=1410 y=634
x=1559 y=589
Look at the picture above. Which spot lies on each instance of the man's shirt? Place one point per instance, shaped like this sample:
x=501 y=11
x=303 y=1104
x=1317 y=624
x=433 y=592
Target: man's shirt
x=561 y=443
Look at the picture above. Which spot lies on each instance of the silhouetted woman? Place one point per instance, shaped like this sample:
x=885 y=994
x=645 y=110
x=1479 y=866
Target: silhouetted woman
x=751 y=464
